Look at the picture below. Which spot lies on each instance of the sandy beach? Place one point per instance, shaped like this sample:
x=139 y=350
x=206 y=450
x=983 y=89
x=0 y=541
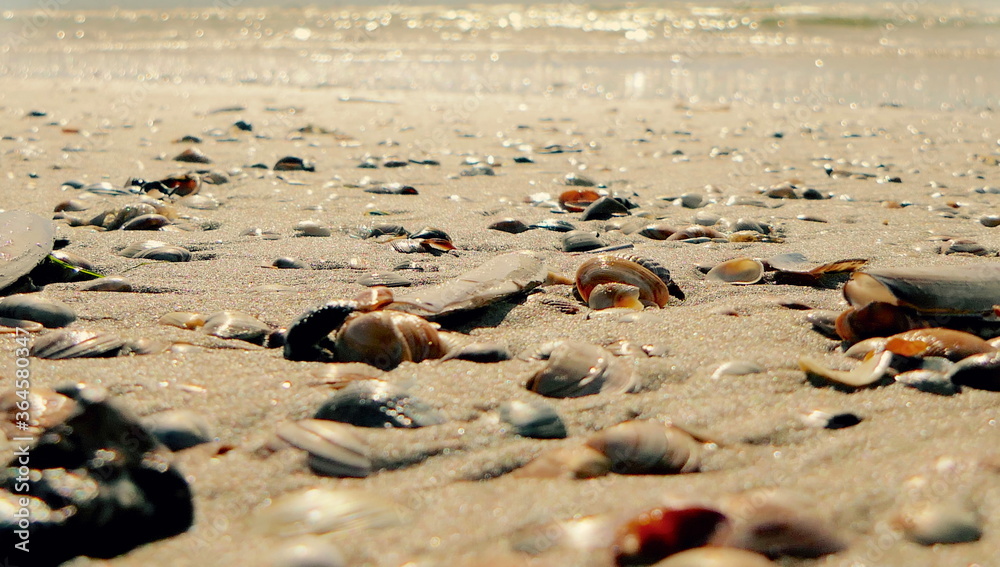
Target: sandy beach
x=650 y=120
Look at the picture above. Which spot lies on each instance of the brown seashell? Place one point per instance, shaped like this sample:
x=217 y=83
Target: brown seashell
x=738 y=271
x=192 y=155
x=511 y=226
x=335 y=449
x=716 y=557
x=146 y=222
x=948 y=343
x=875 y=319
x=576 y=463
x=577 y=369
x=777 y=524
x=374 y=298
x=610 y=295
x=384 y=339
x=662 y=532
x=576 y=200
x=696 y=232
x=647 y=447
x=183 y=320
x=657 y=231
x=616 y=269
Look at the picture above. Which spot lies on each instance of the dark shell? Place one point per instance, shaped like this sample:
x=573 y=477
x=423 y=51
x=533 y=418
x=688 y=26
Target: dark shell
x=76 y=344
x=112 y=283
x=430 y=233
x=657 y=231
x=511 y=226
x=34 y=307
x=292 y=163
x=372 y=403
x=335 y=449
x=581 y=241
x=192 y=155
x=981 y=371
x=535 y=419
x=577 y=180
x=306 y=338
x=603 y=209
x=971 y=288
x=285 y=263
x=555 y=225
x=178 y=429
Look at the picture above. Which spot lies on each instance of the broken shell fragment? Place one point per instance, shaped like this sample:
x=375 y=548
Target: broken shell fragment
x=647 y=447
x=335 y=449
x=871 y=373
x=577 y=369
x=738 y=271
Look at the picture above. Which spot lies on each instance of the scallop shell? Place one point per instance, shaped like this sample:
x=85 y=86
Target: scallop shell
x=577 y=369
x=34 y=307
x=384 y=339
x=324 y=510
x=738 y=271
x=373 y=403
x=616 y=269
x=76 y=344
x=334 y=449
x=647 y=447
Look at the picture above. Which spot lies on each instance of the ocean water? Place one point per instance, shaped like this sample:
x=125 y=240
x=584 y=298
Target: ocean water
x=916 y=52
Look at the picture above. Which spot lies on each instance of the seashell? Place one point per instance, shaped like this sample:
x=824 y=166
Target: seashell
x=555 y=225
x=146 y=222
x=311 y=228
x=500 y=278
x=948 y=343
x=581 y=241
x=309 y=552
x=535 y=419
x=696 y=231
x=478 y=170
x=628 y=270
x=25 y=240
x=373 y=403
x=949 y=521
x=874 y=320
x=178 y=429
x=577 y=369
x=577 y=462
x=795 y=268
x=146 y=346
x=483 y=352
x=716 y=557
x=824 y=419
x=384 y=279
x=659 y=533
x=324 y=510
x=430 y=233
x=286 y=263
x=587 y=533
x=738 y=271
x=871 y=373
x=657 y=231
x=392 y=189
x=46 y=408
x=776 y=523
x=71 y=205
x=705 y=218
x=980 y=371
x=615 y=295
x=577 y=180
x=107 y=284
x=164 y=254
x=292 y=163
x=603 y=209
x=509 y=225
x=384 y=339
x=237 y=325
x=647 y=447
x=199 y=202
x=307 y=336
x=192 y=155
x=10 y=326
x=132 y=249
x=383 y=230
x=63 y=344
x=373 y=298
x=969 y=289
x=334 y=449
x=751 y=225
x=33 y=307
x=183 y=320
x=408 y=246
x=861 y=349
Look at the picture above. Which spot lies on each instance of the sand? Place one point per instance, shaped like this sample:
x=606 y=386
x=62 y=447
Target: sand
x=452 y=509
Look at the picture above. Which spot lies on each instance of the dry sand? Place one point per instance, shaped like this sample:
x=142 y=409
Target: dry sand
x=853 y=476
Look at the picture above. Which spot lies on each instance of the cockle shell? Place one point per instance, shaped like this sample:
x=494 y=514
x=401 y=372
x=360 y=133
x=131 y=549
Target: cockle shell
x=647 y=447
x=577 y=369
x=617 y=269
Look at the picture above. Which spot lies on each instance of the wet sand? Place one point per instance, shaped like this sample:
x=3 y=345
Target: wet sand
x=655 y=147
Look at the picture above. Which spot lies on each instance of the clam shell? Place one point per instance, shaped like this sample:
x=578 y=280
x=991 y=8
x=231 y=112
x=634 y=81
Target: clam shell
x=614 y=294
x=603 y=209
x=696 y=231
x=980 y=371
x=373 y=403
x=949 y=521
x=657 y=231
x=578 y=180
x=285 y=263
x=25 y=240
x=192 y=155
x=34 y=307
x=931 y=377
x=178 y=429
x=112 y=283
x=385 y=339
x=324 y=510
x=237 y=325
x=292 y=163
x=76 y=344
x=334 y=449
x=616 y=269
x=431 y=233
x=972 y=289
x=312 y=228
x=555 y=225
x=581 y=241
x=509 y=225
x=797 y=263
x=183 y=320
x=384 y=279
x=484 y=352
x=146 y=222
x=199 y=202
x=535 y=419
x=871 y=373
x=165 y=254
x=738 y=271
x=647 y=447
x=132 y=249
x=948 y=343
x=716 y=557
x=577 y=369
x=307 y=336
x=577 y=462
